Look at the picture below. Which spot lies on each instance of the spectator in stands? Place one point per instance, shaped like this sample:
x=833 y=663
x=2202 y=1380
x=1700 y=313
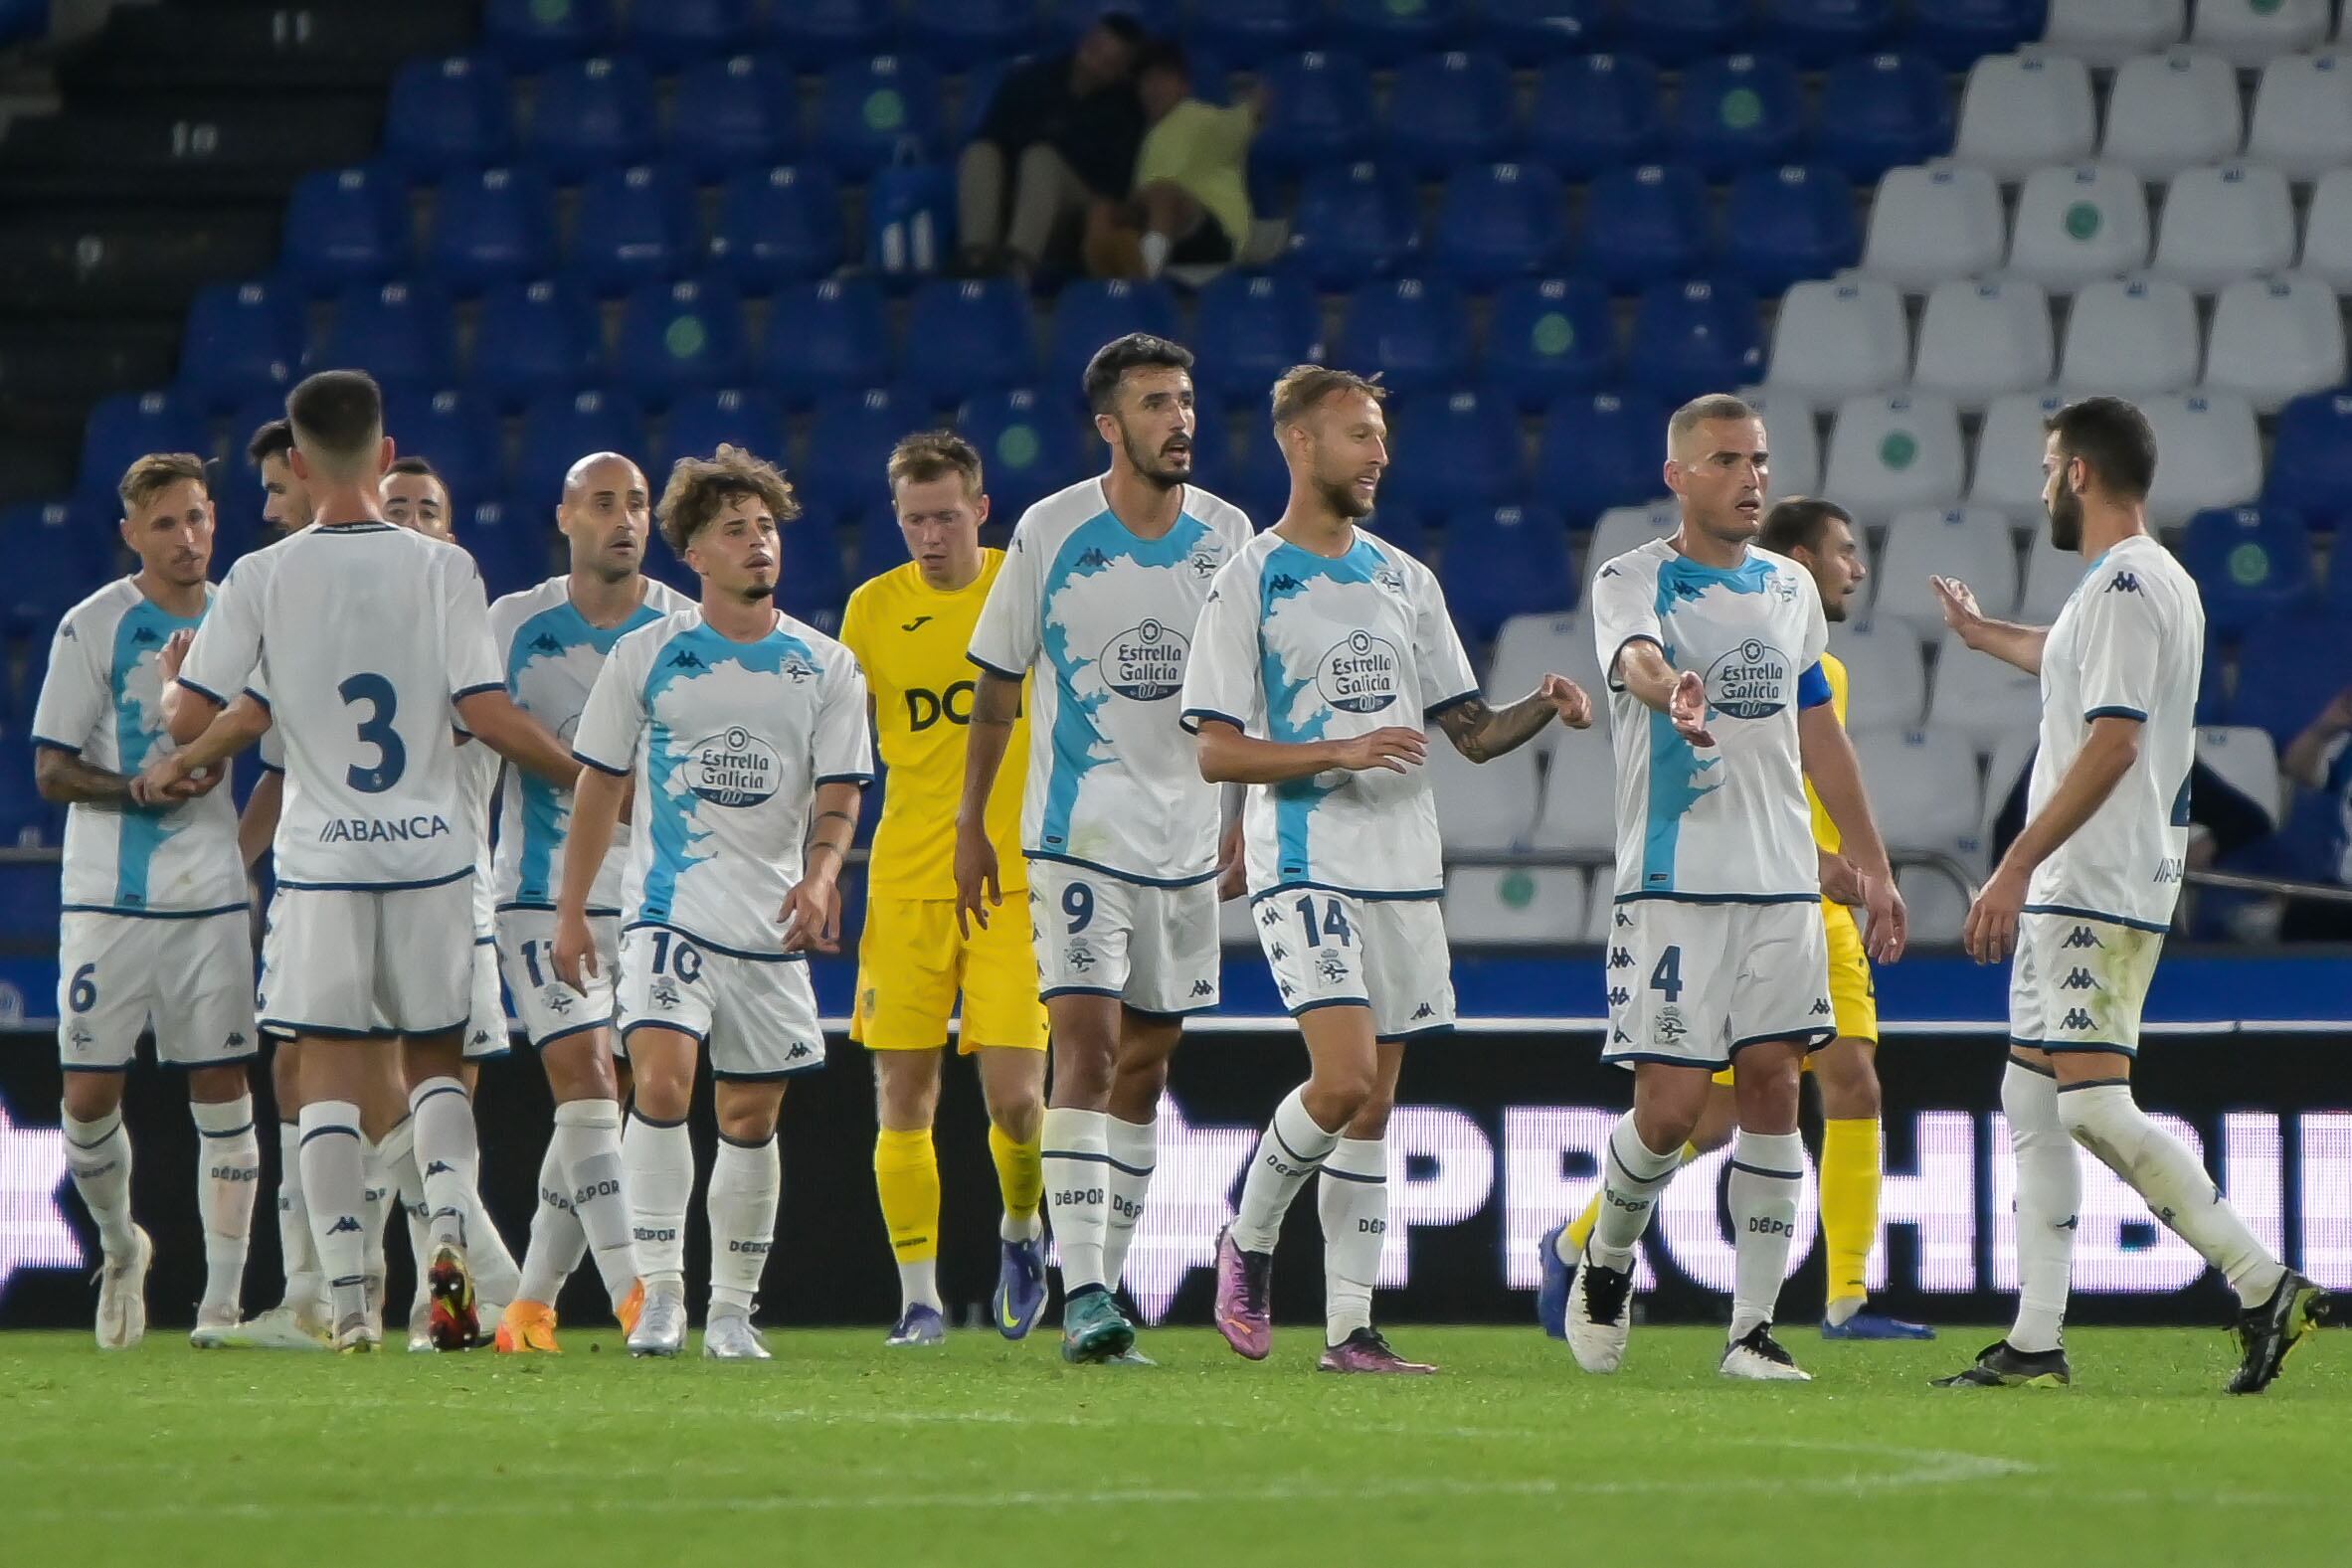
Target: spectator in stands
x=2321 y=758
x=1190 y=203
x=1066 y=130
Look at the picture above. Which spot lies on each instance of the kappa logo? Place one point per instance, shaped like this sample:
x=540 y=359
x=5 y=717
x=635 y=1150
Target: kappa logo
x=1619 y=996
x=800 y=1052
x=2075 y=1018
x=1624 y=920
x=686 y=659
x=2124 y=583
x=1619 y=959
x=1280 y=952
x=236 y=1039
x=916 y=625
x=1269 y=915
x=1287 y=989
x=68 y=636
x=345 y=1222
x=1093 y=561
x=1204 y=989
x=1617 y=1034
x=1820 y=1007
x=2080 y=980
x=2083 y=937
x=1282 y=582
x=1608 y=571
x=1424 y=1011
x=481 y=1037
x=440 y=1167
x=545 y=643
x=144 y=635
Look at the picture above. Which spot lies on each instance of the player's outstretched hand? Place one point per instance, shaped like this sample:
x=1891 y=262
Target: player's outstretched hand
x=174 y=655
x=1569 y=700
x=1887 y=925
x=574 y=950
x=1958 y=605
x=977 y=889
x=1394 y=748
x=1686 y=707
x=811 y=917
x=1990 y=931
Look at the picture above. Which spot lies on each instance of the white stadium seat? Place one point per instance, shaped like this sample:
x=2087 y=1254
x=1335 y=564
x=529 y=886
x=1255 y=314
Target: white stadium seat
x=1933 y=221
x=1924 y=787
x=1620 y=527
x=1973 y=543
x=1579 y=808
x=2276 y=338
x=2107 y=33
x=1792 y=435
x=1528 y=647
x=2079 y=223
x=1483 y=807
x=2249 y=32
x=1885 y=676
x=1837 y=337
x=2020 y=112
x=1978 y=696
x=2049 y=576
x=2224 y=223
x=2302 y=115
x=1980 y=339
x=1935 y=905
x=2007 y=473
x=1887 y=453
x=2328 y=231
x=2211 y=454
x=2247 y=762
x=2125 y=338
x=2171 y=112
x=1513 y=904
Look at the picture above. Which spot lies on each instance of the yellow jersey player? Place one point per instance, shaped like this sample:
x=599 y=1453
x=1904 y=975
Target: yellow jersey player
x=1819 y=537
x=909 y=629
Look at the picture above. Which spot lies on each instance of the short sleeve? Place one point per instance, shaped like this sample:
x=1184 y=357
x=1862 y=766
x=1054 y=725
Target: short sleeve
x=2122 y=637
x=1446 y=676
x=1221 y=678
x=72 y=692
x=844 y=745
x=229 y=643
x=613 y=720
x=1624 y=610
x=1004 y=641
x=473 y=653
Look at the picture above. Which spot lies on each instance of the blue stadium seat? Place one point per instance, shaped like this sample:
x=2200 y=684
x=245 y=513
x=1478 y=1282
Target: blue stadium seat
x=2289 y=668
x=1247 y=32
x=745 y=416
x=561 y=427
x=975 y=335
x=1599 y=450
x=1550 y=336
x=811 y=584
x=849 y=441
x=2311 y=459
x=1460 y=449
x=1643 y=223
x=344 y=225
x=1091 y=312
x=1391 y=31
x=26 y=820
x=643 y=227
x=1029 y=443
x=829 y=337
x=1353 y=221
x=1680 y=29
x=129 y=426
x=780 y=226
x=1814 y=33
x=738 y=112
x=818 y=33
x=62 y=553
x=511 y=540
x=868 y=111
x=1253 y=328
x=2337 y=596
x=1319 y=112
x=1595 y=112
x=1790 y=223
x=1505 y=561
x=454 y=432
x=1450 y=110
x=1065 y=20
x=1402 y=527
x=1499 y=221
x=399 y=334
x=952 y=32
x=240 y=339
x=1885 y=111
x=680 y=33
x=492 y=226
x=449 y=113
x=1694 y=337
x=589 y=114
x=1256 y=478
x=2249 y=564
x=1531 y=32
x=1955 y=33
x=681 y=337
x=535 y=33
x=1738 y=112
x=532 y=339
x=1413 y=333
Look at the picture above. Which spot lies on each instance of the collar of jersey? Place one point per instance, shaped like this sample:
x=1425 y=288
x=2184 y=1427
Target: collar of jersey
x=364 y=525
x=1745 y=571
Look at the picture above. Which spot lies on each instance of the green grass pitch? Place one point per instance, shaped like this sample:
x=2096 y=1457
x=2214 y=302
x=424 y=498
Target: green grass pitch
x=986 y=1453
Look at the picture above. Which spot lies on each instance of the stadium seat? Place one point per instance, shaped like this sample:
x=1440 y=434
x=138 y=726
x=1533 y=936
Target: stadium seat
x=1498 y=221
x=1933 y=222
x=1737 y=111
x=1978 y=696
x=1413 y=334
x=2106 y=33
x=1549 y=336
x=1091 y=312
x=1933 y=772
x=1886 y=109
x=1530 y=647
x=1503 y=562
x=1684 y=29
x=1791 y=430
x=586 y=115
x=2274 y=339
x=2171 y=112
x=511 y=541
x=450 y=430
x=1319 y=112
x=955 y=31
x=644 y=228
x=1578 y=813
x=401 y=333
x=455 y=111
x=975 y=335
x=1353 y=221
x=1594 y=113
x=2289 y=668
x=811 y=584
x=816 y=33
x=1246 y=32
x=2049 y=577
x=827 y=337
x=489 y=227
x=1694 y=337
x=1887 y=687
x=535 y=338
x=1253 y=328
x=2224 y=223
x=1790 y=223
x=344 y=225
x=850 y=445
x=1642 y=223
x=684 y=33
x=2021 y=112
x=2311 y=463
x=1981 y=339
x=1958 y=33
x=779 y=225
x=1258 y=479
x=868 y=111
x=1599 y=450
x=1465 y=454
x=1029 y=443
x=2213 y=455
x=681 y=337
x=1936 y=904
x=240 y=339
x=1483 y=808
x=2249 y=565
x=1835 y=338
x=1505 y=905
x=2078 y=224
x=2127 y=337
x=1816 y=33
x=1450 y=110
x=739 y=112
x=1394 y=31
x=534 y=33
x=63 y=553
x=129 y=426
x=1531 y=32
x=2007 y=473
x=2303 y=115
x=1970 y=543
x=746 y=417
x=1891 y=452
x=559 y=427
x=1623 y=528
x=2248 y=33
x=1400 y=525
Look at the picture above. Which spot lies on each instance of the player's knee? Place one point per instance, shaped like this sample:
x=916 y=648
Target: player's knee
x=1849 y=1088
x=747 y=1113
x=89 y=1096
x=903 y=1100
x=664 y=1093
x=1372 y=1119
x=1015 y=1107
x=217 y=1085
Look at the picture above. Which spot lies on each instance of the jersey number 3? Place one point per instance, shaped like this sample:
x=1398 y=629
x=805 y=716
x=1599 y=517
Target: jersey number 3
x=392 y=758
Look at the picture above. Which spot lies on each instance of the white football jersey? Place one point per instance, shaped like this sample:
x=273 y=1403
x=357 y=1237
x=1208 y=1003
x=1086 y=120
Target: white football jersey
x=1107 y=619
x=364 y=635
x=1728 y=825
x=551 y=657
x=102 y=700
x=1296 y=646
x=728 y=742
x=477 y=791
x=2129 y=640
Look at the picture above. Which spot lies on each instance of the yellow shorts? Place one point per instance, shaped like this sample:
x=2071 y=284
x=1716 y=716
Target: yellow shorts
x=912 y=960
x=1852 y=992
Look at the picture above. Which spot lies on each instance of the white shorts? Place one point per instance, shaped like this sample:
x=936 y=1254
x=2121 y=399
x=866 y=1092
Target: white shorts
x=1156 y=949
x=2077 y=982
x=485 y=1029
x=1693 y=983
x=1338 y=949
x=190 y=981
x=549 y=1008
x=756 y=1016
x=354 y=963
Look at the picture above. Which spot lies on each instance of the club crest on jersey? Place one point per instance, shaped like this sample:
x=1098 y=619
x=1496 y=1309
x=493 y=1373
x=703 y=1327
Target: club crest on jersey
x=1146 y=663
x=1360 y=674
x=1750 y=682
x=1203 y=563
x=735 y=768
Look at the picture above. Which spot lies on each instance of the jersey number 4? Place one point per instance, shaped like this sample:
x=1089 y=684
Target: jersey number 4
x=392 y=758
x=1668 y=976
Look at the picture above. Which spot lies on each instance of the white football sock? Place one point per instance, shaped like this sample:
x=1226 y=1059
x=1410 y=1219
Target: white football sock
x=298 y=1253
x=2049 y=1201
x=1768 y=1173
x=448 y=1153
x=658 y=1161
x=99 y=1155
x=2103 y=1117
x=496 y=1276
x=1133 y=1148
x=557 y=1243
x=399 y=1154
x=228 y=1170
x=1633 y=1174
x=376 y=1192
x=746 y=1187
x=1292 y=1148
x=918 y=1285
x=1074 y=1156
x=1352 y=1198
x=588 y=1138
x=336 y=1188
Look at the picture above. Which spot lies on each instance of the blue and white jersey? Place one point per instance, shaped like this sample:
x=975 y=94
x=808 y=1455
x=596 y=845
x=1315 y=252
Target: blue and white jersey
x=1106 y=618
x=728 y=742
x=102 y=700
x=1295 y=646
x=1728 y=824
x=552 y=658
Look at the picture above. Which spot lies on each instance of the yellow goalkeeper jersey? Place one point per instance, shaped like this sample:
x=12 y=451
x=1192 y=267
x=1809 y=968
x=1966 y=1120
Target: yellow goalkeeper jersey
x=1825 y=831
